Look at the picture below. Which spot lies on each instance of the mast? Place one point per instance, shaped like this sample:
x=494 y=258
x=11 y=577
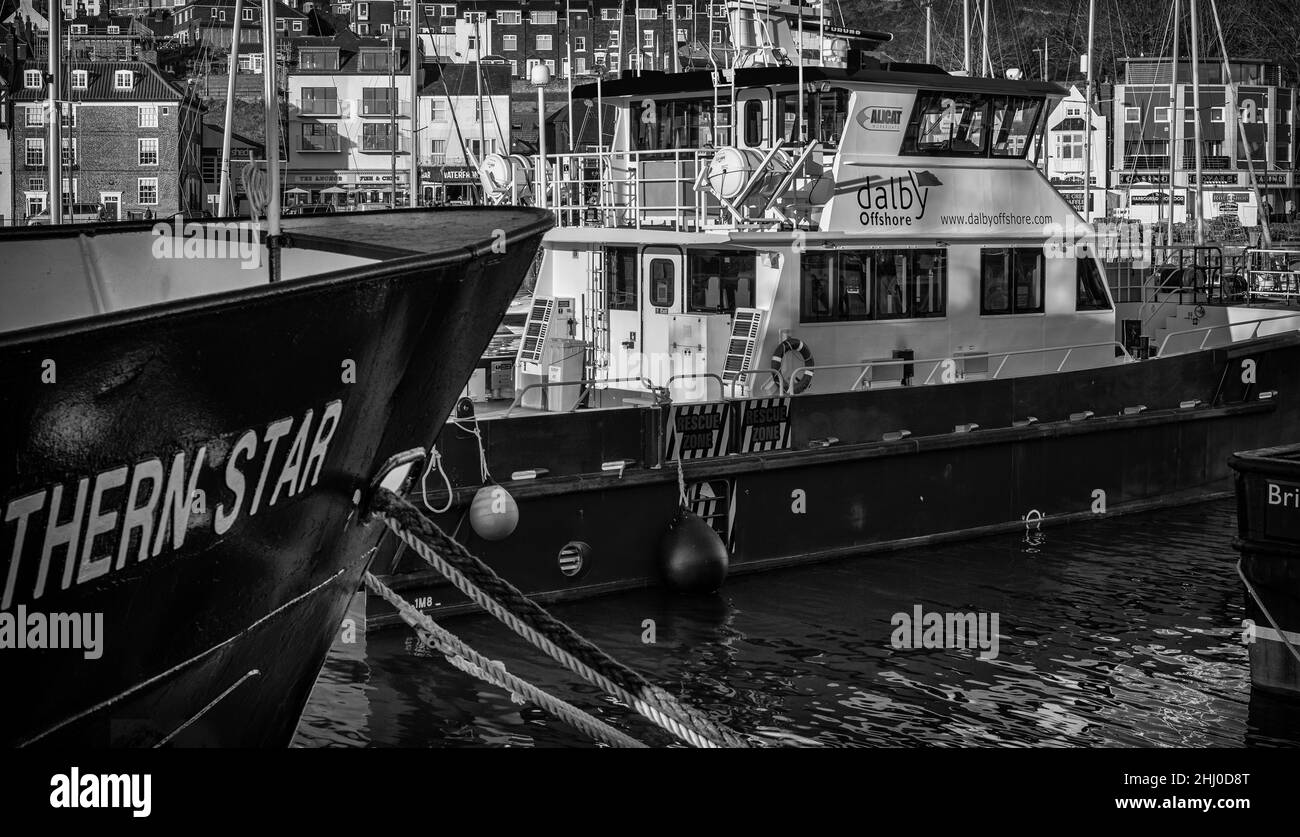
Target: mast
x=1173 y=97
x=799 y=96
x=392 y=108
x=1241 y=129
x=568 y=75
x=54 y=163
x=984 y=41
x=965 y=22
x=1087 y=117
x=1196 y=109
x=413 y=64
x=929 y=21
x=273 y=237
x=224 y=190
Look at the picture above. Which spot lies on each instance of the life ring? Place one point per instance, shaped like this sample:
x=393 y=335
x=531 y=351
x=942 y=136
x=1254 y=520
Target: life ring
x=788 y=345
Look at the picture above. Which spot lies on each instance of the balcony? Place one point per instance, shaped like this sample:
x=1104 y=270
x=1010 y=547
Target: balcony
x=327 y=107
x=382 y=108
x=1208 y=163
x=1140 y=162
x=323 y=145
x=383 y=145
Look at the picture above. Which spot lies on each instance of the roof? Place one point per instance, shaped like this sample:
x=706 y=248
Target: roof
x=908 y=75
x=150 y=85
x=1070 y=123
x=349 y=47
x=212 y=138
x=459 y=79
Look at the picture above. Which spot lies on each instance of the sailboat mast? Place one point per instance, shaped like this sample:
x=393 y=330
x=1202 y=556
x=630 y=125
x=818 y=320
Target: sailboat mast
x=392 y=112
x=1196 y=111
x=1173 y=135
x=965 y=22
x=224 y=190
x=1087 y=116
x=413 y=63
x=274 y=191
x=984 y=41
x=54 y=163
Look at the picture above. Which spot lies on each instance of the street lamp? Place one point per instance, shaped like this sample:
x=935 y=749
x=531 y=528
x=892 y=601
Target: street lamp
x=540 y=77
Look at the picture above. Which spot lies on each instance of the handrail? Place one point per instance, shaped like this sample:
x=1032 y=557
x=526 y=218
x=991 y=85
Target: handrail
x=722 y=389
x=776 y=378
x=644 y=381
x=867 y=366
x=1209 y=329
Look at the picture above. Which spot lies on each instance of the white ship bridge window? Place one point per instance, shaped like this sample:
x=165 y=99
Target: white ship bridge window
x=971 y=125
x=673 y=123
x=848 y=285
x=825 y=113
x=620 y=278
x=1091 y=290
x=719 y=281
x=1011 y=280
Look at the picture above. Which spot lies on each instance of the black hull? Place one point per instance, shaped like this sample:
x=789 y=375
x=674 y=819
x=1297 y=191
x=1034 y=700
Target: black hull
x=859 y=495
x=215 y=634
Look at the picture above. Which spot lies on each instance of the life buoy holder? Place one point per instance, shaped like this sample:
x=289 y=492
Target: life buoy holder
x=788 y=345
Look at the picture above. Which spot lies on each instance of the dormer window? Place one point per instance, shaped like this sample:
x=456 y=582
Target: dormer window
x=114 y=30
x=80 y=79
x=32 y=79
x=123 y=80
x=78 y=28
x=248 y=14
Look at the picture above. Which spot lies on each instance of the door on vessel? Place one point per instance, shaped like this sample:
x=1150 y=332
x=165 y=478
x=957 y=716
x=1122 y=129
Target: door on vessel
x=623 y=304
x=661 y=297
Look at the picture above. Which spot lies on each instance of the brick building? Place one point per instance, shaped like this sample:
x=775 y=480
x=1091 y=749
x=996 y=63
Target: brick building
x=131 y=141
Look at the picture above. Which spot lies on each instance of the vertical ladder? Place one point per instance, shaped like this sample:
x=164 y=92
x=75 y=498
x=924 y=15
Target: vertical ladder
x=596 y=317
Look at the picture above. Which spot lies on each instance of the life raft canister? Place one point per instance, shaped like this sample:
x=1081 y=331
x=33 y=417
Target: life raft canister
x=794 y=344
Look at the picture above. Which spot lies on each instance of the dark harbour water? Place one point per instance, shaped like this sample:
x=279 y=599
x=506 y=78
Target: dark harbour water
x=1123 y=632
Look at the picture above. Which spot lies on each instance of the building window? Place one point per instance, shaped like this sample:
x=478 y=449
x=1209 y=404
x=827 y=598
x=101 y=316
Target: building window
x=148 y=151
x=438 y=148
x=319 y=137
x=580 y=44
x=1132 y=115
x=510 y=43
x=542 y=18
x=378 y=101
x=114 y=30
x=850 y=285
x=35 y=152
x=550 y=65
x=69 y=117
x=248 y=14
x=123 y=80
x=717 y=10
x=681 y=36
x=613 y=37
x=1069 y=146
x=715 y=37
x=580 y=65
x=34 y=117
x=35 y=205
x=148 y=116
x=69 y=152
x=1162 y=114
x=647 y=14
x=448 y=11
x=685 y=13
x=440 y=110
x=315 y=59
x=36 y=184
x=297 y=24
x=78 y=29
x=543 y=43
x=1216 y=114
x=363 y=28
x=363 y=11
x=609 y=14
x=1011 y=280
x=648 y=39
x=383 y=28
x=514 y=68
x=148 y=188
x=375 y=60
x=80 y=79
x=509 y=18
x=375 y=136
x=319 y=101
x=32 y=79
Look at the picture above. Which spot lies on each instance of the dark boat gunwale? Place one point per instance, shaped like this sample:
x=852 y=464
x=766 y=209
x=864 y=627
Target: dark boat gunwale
x=387 y=269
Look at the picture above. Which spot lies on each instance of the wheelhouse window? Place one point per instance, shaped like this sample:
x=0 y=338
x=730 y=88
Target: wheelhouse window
x=953 y=124
x=848 y=285
x=620 y=278
x=824 y=115
x=753 y=123
x=720 y=281
x=673 y=123
x=1015 y=120
x=1090 y=294
x=1011 y=280
x=663 y=283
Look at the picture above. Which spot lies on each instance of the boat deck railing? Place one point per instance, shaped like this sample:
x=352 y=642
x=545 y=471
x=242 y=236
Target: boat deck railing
x=957 y=366
x=632 y=189
x=1207 y=331
x=1273 y=274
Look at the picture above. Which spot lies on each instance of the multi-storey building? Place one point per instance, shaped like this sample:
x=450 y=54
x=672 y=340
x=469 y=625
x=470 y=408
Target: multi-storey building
x=349 y=122
x=1065 y=163
x=1154 y=125
x=243 y=151
x=461 y=118
x=6 y=155
x=130 y=141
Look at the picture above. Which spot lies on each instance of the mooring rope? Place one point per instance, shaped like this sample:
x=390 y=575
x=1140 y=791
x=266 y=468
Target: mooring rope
x=465 y=658
x=1280 y=633
x=530 y=621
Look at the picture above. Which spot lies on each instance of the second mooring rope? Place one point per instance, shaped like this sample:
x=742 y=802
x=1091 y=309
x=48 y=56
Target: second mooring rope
x=532 y=622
